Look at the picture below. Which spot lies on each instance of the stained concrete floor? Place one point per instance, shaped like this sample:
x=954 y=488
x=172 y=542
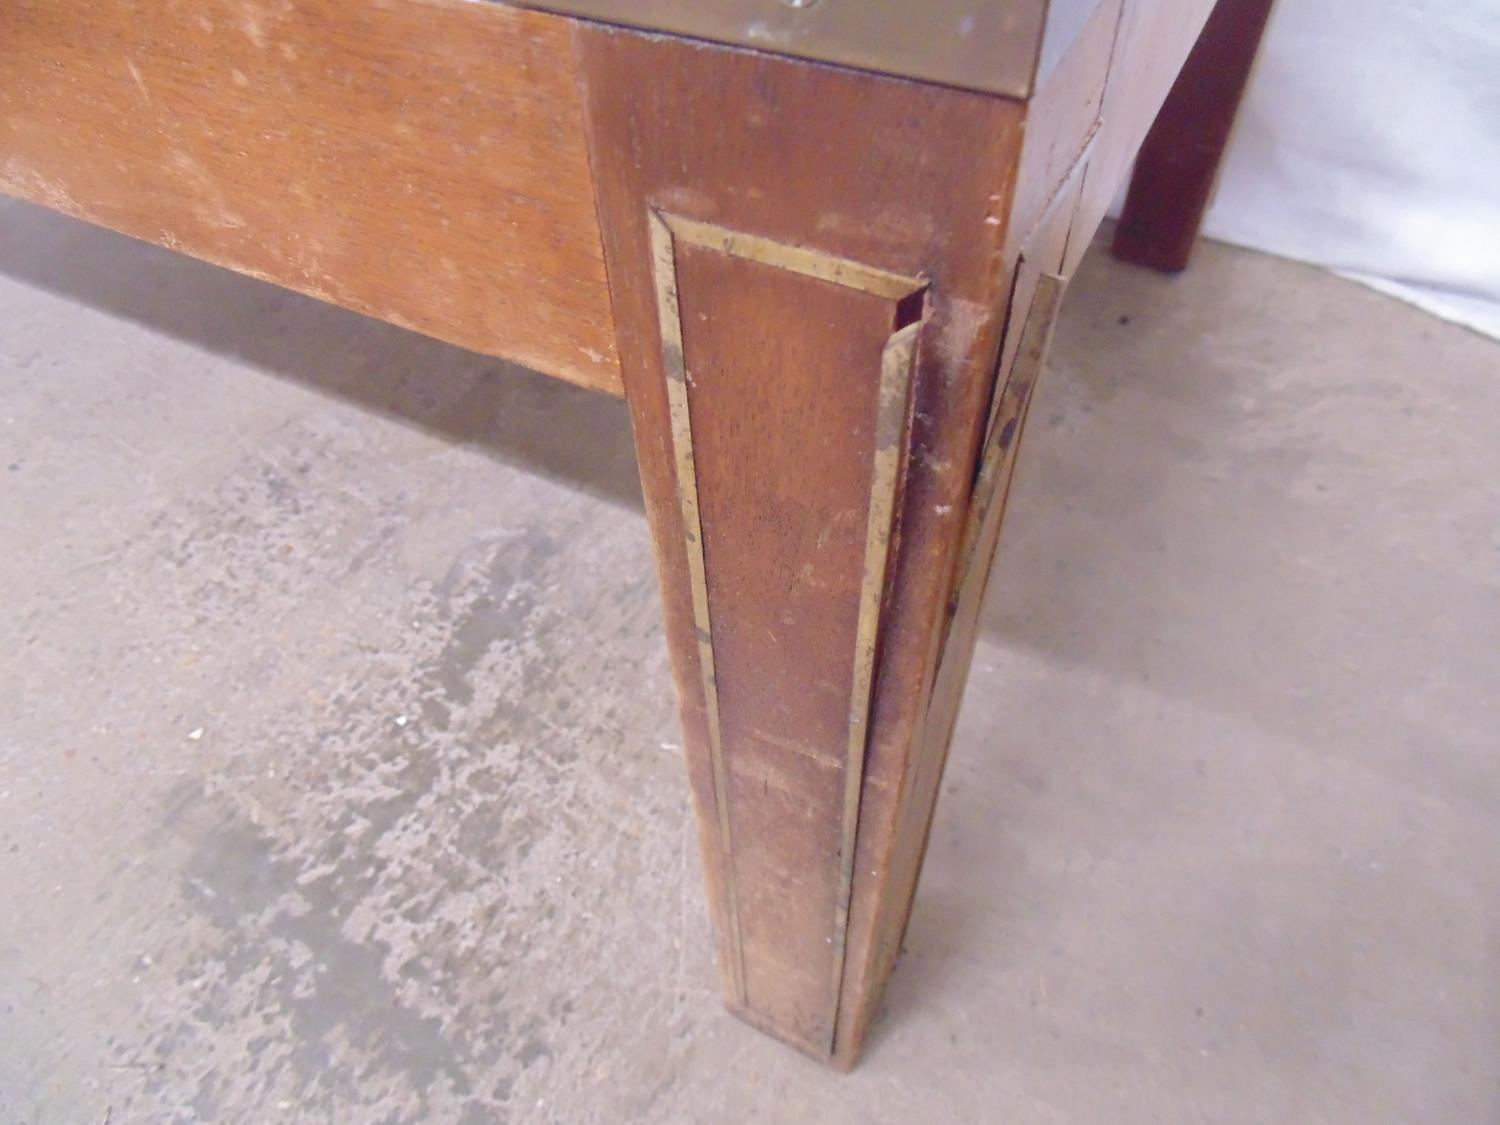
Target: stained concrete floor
x=339 y=779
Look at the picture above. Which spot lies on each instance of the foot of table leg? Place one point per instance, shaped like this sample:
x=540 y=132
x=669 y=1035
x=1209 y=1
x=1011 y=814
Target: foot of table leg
x=810 y=278
x=1179 y=161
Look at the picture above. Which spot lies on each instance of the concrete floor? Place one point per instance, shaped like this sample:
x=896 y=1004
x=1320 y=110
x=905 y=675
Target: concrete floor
x=339 y=776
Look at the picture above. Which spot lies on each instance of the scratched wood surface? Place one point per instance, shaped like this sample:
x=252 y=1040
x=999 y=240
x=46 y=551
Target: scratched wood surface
x=928 y=183
x=783 y=511
x=902 y=177
x=422 y=161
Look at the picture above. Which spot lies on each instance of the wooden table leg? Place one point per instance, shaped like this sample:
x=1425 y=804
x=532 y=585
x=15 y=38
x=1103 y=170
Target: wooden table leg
x=810 y=275
x=1179 y=161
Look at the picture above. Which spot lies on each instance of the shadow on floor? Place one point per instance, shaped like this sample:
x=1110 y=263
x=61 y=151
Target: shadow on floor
x=518 y=416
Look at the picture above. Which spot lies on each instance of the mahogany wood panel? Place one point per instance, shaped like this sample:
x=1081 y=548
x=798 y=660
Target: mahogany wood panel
x=914 y=180
x=421 y=161
x=1179 y=160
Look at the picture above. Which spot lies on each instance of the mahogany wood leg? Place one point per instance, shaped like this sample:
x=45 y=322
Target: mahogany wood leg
x=1178 y=163
x=811 y=273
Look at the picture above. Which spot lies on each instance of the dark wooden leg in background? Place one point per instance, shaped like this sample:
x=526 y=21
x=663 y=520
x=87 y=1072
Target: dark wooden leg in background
x=1179 y=161
x=810 y=278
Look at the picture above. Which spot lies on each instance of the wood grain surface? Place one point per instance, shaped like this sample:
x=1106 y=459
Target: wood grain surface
x=782 y=369
x=421 y=161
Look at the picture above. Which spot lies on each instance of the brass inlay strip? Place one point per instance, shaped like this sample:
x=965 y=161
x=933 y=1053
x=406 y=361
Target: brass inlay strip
x=797 y=259
x=665 y=269
x=890 y=430
x=1008 y=418
x=895 y=383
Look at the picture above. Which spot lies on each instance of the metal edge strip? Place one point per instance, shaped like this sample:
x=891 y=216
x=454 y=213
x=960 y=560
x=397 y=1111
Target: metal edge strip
x=993 y=47
x=896 y=363
x=797 y=259
x=664 y=269
x=1009 y=417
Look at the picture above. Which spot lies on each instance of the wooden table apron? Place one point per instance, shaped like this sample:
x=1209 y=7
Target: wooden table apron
x=826 y=292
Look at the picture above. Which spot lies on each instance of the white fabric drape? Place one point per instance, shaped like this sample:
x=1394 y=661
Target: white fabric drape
x=1369 y=142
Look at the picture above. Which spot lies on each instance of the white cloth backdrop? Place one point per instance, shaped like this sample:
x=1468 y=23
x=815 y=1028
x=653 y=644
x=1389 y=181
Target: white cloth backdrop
x=1369 y=142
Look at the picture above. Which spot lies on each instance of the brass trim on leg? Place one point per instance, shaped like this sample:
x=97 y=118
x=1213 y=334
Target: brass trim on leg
x=665 y=270
x=890 y=432
x=797 y=259
x=896 y=365
x=1007 y=419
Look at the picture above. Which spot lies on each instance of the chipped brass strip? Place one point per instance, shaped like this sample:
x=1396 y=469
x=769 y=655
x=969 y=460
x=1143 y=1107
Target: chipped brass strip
x=895 y=383
x=1009 y=417
x=665 y=269
x=797 y=259
x=890 y=425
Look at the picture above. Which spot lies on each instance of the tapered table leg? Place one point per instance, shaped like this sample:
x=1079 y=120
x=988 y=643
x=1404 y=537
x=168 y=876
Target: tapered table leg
x=1179 y=162
x=811 y=276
